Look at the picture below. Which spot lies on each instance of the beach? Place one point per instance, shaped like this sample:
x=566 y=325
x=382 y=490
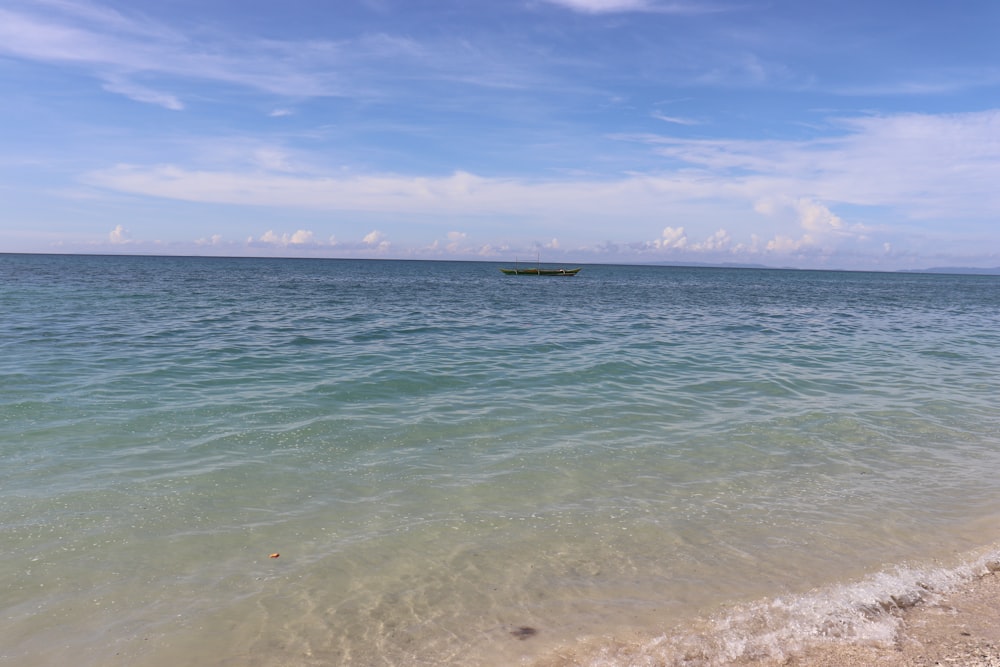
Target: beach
x=948 y=623
x=961 y=628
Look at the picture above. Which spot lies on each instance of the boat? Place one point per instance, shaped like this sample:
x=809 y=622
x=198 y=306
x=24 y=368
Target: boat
x=537 y=270
x=540 y=272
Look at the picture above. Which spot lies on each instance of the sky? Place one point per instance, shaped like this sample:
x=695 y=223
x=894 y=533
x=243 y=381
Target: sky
x=859 y=135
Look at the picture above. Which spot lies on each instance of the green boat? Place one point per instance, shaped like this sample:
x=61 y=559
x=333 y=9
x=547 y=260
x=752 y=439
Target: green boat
x=540 y=272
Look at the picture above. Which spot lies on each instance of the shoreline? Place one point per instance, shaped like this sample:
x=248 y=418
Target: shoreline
x=960 y=627
x=905 y=617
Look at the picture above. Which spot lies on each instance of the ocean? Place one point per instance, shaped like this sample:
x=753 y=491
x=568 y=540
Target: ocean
x=263 y=462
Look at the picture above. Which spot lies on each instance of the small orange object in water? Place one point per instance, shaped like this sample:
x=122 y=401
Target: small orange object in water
x=274 y=555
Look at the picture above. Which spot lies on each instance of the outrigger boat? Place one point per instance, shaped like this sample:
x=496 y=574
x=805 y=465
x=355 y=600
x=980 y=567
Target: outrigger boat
x=540 y=272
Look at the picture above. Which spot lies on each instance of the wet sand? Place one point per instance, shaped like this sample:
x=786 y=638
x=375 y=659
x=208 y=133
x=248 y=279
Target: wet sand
x=951 y=620
x=960 y=629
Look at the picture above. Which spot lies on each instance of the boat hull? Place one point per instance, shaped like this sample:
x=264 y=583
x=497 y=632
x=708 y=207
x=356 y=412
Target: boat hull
x=540 y=272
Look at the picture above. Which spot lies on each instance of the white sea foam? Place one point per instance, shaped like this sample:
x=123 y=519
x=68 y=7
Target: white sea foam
x=864 y=612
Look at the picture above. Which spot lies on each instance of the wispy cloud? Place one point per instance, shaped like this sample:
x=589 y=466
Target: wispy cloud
x=676 y=120
x=137 y=57
x=143 y=94
x=621 y=6
x=926 y=82
x=154 y=63
x=921 y=167
x=493 y=120
x=115 y=47
x=604 y=6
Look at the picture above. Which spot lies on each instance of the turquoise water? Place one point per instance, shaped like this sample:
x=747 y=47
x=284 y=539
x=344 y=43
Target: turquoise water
x=443 y=455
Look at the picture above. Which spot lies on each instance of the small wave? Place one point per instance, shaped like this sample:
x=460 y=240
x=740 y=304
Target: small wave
x=865 y=613
x=302 y=341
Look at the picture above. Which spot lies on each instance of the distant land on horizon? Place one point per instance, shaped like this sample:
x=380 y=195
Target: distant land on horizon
x=967 y=270
x=961 y=270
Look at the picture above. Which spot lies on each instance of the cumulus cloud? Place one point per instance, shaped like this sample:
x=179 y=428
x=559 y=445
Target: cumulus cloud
x=786 y=245
x=300 y=238
x=720 y=240
x=672 y=237
x=376 y=240
x=816 y=217
x=119 y=235
x=455 y=240
x=820 y=225
x=676 y=241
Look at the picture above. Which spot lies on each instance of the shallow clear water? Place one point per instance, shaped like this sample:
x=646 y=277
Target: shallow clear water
x=442 y=454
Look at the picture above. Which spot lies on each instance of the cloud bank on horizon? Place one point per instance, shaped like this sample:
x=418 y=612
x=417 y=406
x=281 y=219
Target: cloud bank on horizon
x=828 y=135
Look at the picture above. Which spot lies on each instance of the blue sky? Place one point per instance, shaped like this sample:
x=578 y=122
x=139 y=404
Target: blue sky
x=848 y=134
